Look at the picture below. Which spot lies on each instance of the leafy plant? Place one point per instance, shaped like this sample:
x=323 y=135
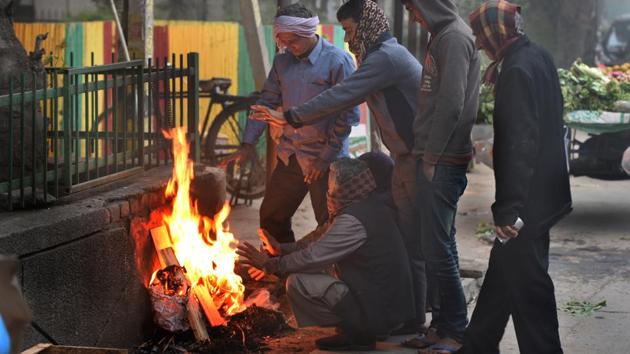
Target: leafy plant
x=586 y=88
x=582 y=308
x=486 y=105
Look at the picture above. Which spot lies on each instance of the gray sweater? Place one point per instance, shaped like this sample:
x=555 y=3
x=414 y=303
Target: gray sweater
x=343 y=236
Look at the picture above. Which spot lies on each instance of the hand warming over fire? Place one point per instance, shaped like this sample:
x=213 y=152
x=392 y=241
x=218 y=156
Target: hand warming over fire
x=251 y=256
x=268 y=115
x=256 y=273
x=269 y=243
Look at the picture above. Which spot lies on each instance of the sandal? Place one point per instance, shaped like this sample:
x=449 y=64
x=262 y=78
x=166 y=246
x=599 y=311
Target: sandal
x=419 y=342
x=441 y=348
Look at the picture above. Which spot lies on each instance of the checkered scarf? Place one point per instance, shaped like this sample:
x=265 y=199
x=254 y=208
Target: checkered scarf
x=372 y=24
x=353 y=190
x=494 y=23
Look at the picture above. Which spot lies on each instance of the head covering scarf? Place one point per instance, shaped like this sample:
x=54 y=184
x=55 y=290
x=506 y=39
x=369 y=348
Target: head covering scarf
x=372 y=24
x=357 y=188
x=303 y=27
x=496 y=27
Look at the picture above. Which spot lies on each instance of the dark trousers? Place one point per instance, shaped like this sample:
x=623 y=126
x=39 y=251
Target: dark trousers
x=437 y=205
x=517 y=283
x=404 y=195
x=284 y=194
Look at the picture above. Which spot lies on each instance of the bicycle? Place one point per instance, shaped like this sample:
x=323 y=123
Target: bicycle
x=221 y=137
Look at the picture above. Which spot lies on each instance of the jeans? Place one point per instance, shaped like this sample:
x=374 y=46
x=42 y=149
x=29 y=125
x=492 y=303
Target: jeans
x=437 y=205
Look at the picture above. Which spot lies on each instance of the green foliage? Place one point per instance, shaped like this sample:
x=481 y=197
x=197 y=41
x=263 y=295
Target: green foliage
x=585 y=88
x=486 y=104
x=582 y=308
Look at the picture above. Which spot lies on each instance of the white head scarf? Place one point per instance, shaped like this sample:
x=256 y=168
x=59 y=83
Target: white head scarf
x=303 y=27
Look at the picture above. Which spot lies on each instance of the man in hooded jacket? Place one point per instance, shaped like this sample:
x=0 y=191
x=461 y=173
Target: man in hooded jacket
x=448 y=108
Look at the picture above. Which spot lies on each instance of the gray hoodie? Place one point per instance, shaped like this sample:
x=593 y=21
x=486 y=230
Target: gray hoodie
x=449 y=95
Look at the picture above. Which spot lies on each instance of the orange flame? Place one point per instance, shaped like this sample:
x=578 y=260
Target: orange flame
x=208 y=260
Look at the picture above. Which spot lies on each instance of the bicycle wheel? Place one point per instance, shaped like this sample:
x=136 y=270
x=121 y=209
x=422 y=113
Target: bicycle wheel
x=246 y=179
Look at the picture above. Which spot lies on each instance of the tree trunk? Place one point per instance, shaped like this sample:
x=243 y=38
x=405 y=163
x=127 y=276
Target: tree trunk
x=567 y=28
x=15 y=63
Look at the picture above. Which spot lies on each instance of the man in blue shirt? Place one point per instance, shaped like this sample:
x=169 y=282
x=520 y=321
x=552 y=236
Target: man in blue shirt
x=311 y=66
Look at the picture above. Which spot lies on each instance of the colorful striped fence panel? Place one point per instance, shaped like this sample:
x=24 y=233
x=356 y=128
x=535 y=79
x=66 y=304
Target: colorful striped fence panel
x=221 y=46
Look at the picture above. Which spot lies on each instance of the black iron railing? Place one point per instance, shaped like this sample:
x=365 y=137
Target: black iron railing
x=73 y=128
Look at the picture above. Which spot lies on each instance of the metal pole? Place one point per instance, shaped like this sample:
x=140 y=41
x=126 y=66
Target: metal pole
x=398 y=20
x=123 y=41
x=193 y=103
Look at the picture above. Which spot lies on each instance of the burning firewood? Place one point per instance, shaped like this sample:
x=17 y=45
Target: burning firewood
x=175 y=306
x=213 y=315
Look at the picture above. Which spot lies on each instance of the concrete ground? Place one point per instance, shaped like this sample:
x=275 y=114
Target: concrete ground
x=589 y=261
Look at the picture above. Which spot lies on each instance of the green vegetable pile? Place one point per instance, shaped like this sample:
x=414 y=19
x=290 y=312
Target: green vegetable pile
x=583 y=88
x=586 y=88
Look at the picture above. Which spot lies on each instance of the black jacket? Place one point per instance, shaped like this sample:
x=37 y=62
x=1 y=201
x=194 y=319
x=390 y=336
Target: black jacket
x=530 y=166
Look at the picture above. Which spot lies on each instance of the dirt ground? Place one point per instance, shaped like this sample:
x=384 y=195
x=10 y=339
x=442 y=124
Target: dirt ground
x=589 y=257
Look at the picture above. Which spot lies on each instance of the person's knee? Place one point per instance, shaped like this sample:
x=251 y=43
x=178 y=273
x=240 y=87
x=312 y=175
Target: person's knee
x=291 y=285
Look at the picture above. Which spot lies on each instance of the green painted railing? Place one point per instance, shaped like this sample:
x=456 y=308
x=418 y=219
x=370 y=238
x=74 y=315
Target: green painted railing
x=73 y=128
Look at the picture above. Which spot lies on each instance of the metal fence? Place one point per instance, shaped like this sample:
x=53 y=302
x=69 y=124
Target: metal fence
x=81 y=127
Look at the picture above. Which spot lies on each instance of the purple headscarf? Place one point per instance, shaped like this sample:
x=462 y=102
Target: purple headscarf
x=303 y=27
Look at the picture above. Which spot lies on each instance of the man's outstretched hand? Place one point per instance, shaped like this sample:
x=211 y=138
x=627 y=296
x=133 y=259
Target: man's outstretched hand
x=251 y=256
x=268 y=115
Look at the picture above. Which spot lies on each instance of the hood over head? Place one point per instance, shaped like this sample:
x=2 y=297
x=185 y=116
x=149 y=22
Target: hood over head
x=436 y=13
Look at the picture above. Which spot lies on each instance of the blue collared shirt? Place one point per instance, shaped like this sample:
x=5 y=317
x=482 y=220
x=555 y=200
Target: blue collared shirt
x=293 y=81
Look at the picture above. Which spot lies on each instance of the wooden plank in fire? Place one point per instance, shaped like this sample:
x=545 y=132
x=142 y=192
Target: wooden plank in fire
x=213 y=315
x=195 y=318
x=166 y=255
x=164 y=247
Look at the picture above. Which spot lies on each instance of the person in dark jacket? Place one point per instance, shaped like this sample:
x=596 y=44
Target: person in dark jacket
x=532 y=184
x=449 y=96
x=388 y=79
x=372 y=291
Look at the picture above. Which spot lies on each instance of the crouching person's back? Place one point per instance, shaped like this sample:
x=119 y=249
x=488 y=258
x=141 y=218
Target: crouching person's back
x=371 y=293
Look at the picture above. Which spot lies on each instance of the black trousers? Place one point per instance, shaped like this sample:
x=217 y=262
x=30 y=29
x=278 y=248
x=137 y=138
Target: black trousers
x=517 y=283
x=283 y=196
